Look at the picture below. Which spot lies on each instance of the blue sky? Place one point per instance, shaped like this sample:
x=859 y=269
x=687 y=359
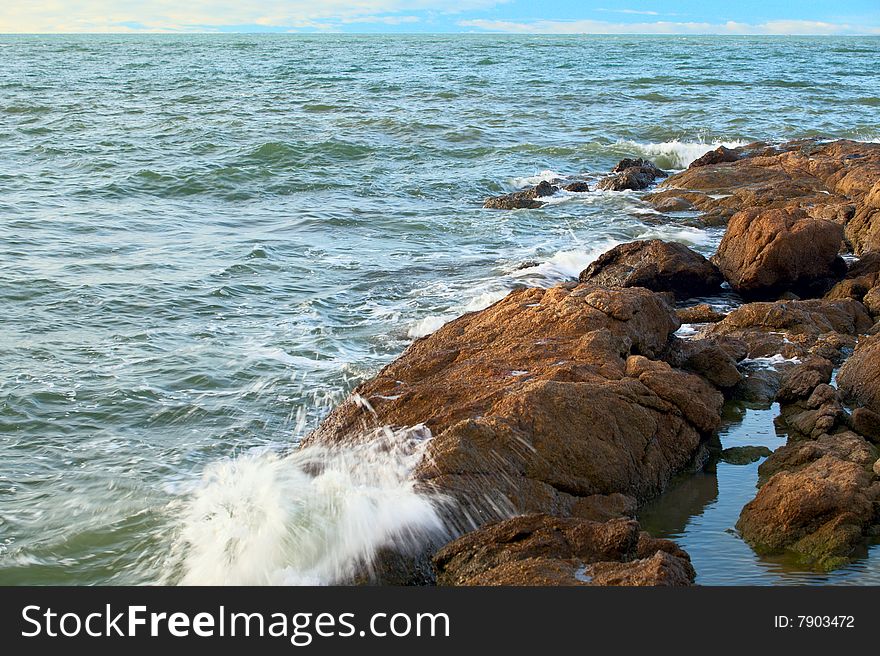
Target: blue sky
x=492 y=16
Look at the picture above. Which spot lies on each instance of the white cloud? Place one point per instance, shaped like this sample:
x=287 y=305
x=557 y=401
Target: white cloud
x=779 y=27
x=631 y=11
x=24 y=16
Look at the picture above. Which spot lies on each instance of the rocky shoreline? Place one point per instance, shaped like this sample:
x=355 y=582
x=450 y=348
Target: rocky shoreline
x=555 y=413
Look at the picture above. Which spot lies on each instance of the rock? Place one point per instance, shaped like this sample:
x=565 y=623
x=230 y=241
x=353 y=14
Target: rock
x=720 y=155
x=800 y=381
x=539 y=401
x=545 y=550
x=766 y=252
x=674 y=204
x=744 y=455
x=712 y=358
x=872 y=301
x=579 y=187
x=837 y=181
x=656 y=265
x=702 y=313
x=862 y=283
x=527 y=199
x=821 y=512
x=819 y=414
x=661 y=569
x=859 y=378
x=759 y=386
x=800 y=453
x=867 y=423
x=796 y=329
x=632 y=174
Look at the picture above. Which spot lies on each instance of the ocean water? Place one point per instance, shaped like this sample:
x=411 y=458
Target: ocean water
x=207 y=241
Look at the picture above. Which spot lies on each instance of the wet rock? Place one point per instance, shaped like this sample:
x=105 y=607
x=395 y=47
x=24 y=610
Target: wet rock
x=744 y=455
x=579 y=187
x=527 y=199
x=758 y=386
x=543 y=399
x=546 y=550
x=634 y=174
x=867 y=423
x=766 y=252
x=837 y=181
x=702 y=313
x=720 y=155
x=713 y=358
x=799 y=382
x=859 y=378
x=817 y=415
x=674 y=204
x=796 y=329
x=821 y=512
x=872 y=301
x=800 y=453
x=661 y=569
x=656 y=265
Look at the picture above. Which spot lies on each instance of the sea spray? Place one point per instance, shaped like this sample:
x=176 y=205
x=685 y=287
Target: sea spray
x=316 y=516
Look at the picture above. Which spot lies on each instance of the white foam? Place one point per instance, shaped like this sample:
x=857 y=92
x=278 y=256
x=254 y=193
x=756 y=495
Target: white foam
x=770 y=362
x=316 y=516
x=430 y=324
x=532 y=180
x=433 y=322
x=676 y=154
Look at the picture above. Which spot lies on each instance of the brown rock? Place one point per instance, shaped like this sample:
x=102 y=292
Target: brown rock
x=872 y=301
x=546 y=550
x=579 y=187
x=545 y=398
x=634 y=174
x=674 y=204
x=821 y=512
x=839 y=181
x=527 y=199
x=702 y=313
x=796 y=328
x=798 y=454
x=656 y=265
x=859 y=378
x=867 y=423
x=661 y=569
x=765 y=252
x=720 y=155
x=800 y=381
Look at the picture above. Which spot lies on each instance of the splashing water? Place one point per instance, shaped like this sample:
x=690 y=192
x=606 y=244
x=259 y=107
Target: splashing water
x=317 y=516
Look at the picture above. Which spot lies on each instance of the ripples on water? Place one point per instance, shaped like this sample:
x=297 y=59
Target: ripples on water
x=208 y=240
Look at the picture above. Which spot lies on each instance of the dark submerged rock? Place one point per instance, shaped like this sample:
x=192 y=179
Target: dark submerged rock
x=656 y=265
x=527 y=199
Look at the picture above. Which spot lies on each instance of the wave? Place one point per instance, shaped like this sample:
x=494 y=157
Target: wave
x=675 y=154
x=317 y=516
x=532 y=180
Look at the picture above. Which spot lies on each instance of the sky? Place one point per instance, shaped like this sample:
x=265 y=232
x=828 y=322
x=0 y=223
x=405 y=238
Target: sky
x=824 y=17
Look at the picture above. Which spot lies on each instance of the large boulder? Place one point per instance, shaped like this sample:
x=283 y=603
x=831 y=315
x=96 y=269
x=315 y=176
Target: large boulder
x=527 y=199
x=766 y=252
x=541 y=401
x=631 y=174
x=859 y=378
x=546 y=550
x=821 y=512
x=656 y=265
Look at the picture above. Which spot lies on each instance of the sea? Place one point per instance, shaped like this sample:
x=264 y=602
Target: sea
x=206 y=241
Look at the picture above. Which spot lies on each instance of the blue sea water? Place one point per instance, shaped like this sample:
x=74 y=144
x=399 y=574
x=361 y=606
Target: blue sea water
x=207 y=240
